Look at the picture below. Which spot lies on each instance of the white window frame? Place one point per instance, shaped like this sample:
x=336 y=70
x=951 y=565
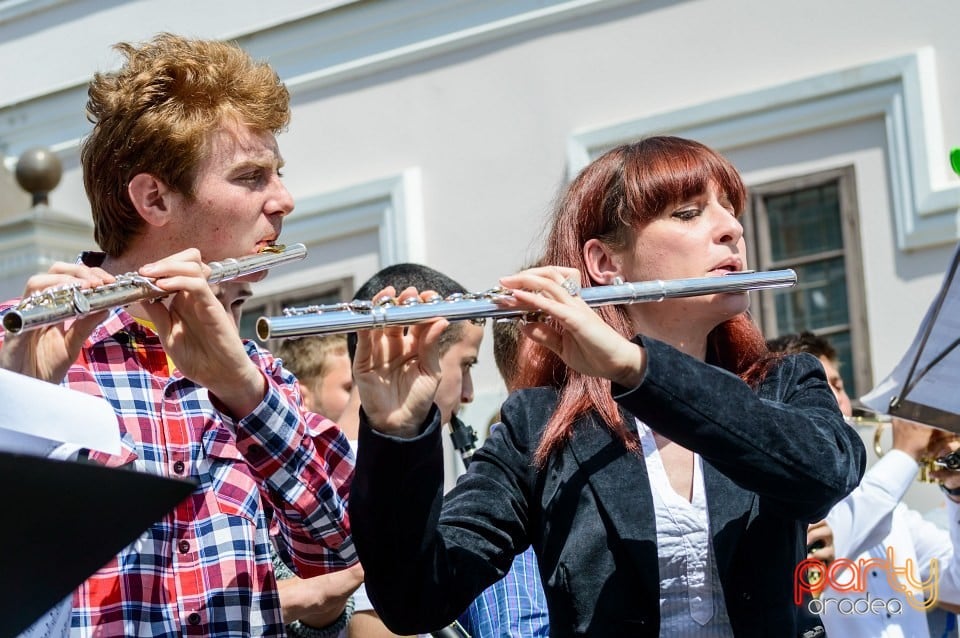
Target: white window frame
x=903 y=91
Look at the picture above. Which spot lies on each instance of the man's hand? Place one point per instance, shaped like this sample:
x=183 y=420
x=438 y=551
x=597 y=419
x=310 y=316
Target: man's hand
x=941 y=444
x=47 y=353
x=820 y=542
x=200 y=335
x=320 y=600
x=912 y=438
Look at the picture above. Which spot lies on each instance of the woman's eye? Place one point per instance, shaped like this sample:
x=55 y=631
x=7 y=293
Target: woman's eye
x=687 y=213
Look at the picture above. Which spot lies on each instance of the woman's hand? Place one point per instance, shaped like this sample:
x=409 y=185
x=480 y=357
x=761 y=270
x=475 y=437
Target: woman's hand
x=397 y=370
x=586 y=342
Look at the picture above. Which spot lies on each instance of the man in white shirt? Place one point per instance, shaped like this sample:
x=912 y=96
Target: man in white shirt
x=889 y=566
x=912 y=566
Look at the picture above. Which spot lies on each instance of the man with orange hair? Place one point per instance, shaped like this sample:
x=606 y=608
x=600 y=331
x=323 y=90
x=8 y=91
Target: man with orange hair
x=182 y=168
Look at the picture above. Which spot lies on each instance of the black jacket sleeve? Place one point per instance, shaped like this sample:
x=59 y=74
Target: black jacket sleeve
x=788 y=441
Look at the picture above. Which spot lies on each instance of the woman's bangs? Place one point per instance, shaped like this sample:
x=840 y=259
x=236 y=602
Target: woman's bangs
x=678 y=174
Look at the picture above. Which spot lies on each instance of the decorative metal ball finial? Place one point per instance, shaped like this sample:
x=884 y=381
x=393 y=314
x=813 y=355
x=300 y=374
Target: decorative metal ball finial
x=38 y=172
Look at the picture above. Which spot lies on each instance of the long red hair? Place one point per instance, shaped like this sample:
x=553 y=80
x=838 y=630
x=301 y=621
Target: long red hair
x=609 y=200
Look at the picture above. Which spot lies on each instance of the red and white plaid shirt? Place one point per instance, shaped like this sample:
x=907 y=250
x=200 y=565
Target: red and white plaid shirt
x=205 y=568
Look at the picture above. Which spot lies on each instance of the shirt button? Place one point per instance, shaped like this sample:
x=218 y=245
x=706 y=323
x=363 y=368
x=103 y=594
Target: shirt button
x=194 y=618
x=184 y=546
x=179 y=466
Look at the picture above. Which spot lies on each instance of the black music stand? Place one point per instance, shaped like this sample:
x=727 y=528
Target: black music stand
x=925 y=385
x=64 y=521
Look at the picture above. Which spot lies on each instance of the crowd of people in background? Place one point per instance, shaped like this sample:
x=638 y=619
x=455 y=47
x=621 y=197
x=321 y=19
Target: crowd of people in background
x=656 y=470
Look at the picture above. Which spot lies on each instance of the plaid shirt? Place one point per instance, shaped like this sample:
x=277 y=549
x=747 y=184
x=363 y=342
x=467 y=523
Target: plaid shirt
x=205 y=568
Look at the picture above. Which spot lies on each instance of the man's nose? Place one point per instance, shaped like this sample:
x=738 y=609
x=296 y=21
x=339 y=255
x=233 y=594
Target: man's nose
x=466 y=389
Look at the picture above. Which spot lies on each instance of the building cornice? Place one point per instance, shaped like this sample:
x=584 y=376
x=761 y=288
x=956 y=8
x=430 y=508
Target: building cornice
x=339 y=42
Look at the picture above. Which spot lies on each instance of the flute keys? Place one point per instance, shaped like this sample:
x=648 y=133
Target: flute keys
x=80 y=302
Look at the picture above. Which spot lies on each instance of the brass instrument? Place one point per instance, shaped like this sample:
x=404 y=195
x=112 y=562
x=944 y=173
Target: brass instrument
x=364 y=315
x=56 y=305
x=927 y=464
x=867 y=419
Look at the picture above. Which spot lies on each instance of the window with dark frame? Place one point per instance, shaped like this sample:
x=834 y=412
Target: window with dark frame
x=811 y=224
x=273 y=306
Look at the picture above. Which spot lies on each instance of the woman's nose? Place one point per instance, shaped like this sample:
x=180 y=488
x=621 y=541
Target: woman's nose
x=729 y=228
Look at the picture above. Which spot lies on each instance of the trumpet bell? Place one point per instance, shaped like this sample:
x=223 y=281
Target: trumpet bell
x=927 y=464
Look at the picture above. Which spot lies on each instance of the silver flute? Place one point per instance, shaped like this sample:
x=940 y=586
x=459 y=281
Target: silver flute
x=56 y=305
x=364 y=315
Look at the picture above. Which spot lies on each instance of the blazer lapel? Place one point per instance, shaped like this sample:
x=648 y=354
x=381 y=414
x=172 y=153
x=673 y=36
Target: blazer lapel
x=729 y=509
x=618 y=479
x=621 y=486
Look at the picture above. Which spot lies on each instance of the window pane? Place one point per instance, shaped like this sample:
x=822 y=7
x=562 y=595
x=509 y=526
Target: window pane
x=804 y=222
x=248 y=321
x=841 y=343
x=819 y=300
x=329 y=297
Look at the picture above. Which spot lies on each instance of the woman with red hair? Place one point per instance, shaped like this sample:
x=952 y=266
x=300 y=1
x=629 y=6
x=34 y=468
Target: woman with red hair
x=662 y=464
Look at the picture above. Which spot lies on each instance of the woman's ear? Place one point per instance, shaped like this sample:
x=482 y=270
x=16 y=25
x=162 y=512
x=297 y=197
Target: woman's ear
x=150 y=197
x=603 y=265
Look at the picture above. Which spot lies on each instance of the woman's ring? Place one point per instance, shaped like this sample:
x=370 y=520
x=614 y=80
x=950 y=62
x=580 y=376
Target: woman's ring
x=570 y=286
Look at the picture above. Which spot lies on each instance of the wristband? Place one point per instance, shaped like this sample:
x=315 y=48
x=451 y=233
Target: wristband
x=955 y=492
x=297 y=629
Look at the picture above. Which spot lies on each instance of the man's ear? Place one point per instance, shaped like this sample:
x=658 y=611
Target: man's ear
x=150 y=196
x=306 y=393
x=603 y=264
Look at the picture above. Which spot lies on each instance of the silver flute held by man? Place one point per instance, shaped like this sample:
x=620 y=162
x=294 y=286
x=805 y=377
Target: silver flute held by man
x=363 y=315
x=56 y=305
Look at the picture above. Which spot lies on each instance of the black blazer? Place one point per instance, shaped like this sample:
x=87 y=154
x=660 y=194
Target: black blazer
x=774 y=460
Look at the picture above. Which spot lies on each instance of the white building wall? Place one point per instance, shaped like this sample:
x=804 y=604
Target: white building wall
x=473 y=112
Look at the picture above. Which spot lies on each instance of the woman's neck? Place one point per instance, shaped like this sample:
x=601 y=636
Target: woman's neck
x=687 y=337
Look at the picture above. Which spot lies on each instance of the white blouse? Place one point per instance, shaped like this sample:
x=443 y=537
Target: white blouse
x=691 y=597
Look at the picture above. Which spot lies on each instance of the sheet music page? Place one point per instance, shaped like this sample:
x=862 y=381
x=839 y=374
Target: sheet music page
x=938 y=388
x=51 y=420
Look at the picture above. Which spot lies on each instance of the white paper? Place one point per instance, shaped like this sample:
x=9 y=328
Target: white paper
x=50 y=420
x=933 y=383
